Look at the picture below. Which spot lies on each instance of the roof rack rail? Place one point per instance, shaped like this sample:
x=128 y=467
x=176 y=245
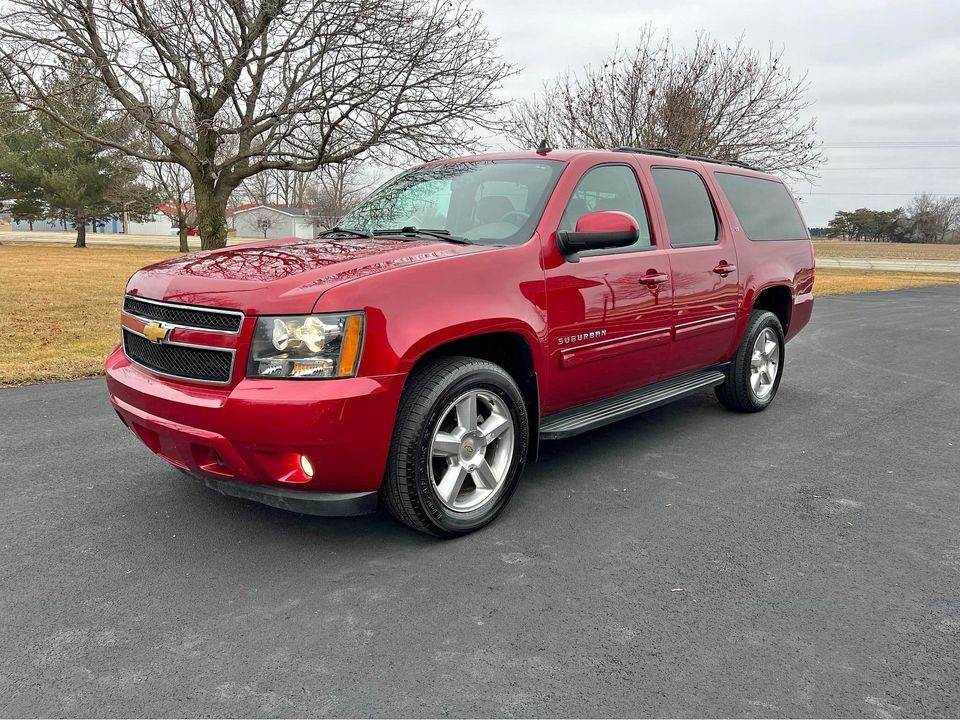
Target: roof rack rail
x=665 y=152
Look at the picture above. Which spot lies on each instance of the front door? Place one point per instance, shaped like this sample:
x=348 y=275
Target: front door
x=703 y=262
x=608 y=313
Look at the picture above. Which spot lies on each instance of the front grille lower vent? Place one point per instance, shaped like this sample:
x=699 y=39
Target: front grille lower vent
x=190 y=363
x=192 y=317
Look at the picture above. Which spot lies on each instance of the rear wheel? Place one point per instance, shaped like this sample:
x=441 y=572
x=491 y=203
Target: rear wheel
x=754 y=375
x=458 y=447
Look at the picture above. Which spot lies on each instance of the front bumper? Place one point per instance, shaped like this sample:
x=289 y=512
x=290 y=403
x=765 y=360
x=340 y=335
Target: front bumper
x=246 y=440
x=298 y=501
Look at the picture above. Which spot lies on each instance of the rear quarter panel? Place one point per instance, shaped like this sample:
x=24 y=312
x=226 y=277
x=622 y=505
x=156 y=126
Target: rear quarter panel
x=767 y=263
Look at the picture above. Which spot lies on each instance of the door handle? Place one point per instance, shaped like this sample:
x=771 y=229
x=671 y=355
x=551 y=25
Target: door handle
x=653 y=278
x=724 y=268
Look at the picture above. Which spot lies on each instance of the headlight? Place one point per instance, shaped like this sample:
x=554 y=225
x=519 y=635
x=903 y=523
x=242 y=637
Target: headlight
x=306 y=346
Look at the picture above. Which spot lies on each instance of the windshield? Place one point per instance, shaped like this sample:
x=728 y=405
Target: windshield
x=492 y=202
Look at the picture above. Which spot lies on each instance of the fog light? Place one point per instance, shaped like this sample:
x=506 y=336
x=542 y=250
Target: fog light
x=306 y=466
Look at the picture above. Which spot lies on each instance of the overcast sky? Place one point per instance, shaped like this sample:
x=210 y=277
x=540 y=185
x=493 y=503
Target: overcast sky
x=881 y=75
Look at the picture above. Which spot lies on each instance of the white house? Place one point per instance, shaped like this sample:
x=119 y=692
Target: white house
x=157 y=224
x=275 y=222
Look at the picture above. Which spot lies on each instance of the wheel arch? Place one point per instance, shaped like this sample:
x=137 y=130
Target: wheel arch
x=778 y=299
x=509 y=349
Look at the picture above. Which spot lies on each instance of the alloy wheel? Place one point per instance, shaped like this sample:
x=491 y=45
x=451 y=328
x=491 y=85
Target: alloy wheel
x=471 y=449
x=764 y=363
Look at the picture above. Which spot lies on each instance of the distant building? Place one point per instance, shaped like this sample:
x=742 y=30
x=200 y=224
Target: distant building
x=157 y=224
x=112 y=225
x=162 y=222
x=274 y=221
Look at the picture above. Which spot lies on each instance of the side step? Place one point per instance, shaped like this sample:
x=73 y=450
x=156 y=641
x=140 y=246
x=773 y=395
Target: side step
x=603 y=412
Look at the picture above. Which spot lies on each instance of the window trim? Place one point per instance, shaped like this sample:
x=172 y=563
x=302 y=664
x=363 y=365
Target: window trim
x=719 y=237
x=646 y=211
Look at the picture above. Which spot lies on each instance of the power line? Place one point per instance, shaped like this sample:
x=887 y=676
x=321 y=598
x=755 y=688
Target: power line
x=878 y=194
x=904 y=144
x=953 y=167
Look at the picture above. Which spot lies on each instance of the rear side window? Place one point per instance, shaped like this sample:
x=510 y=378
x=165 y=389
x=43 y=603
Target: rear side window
x=608 y=187
x=763 y=207
x=686 y=207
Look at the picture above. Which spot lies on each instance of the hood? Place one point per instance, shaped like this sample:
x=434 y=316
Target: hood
x=281 y=276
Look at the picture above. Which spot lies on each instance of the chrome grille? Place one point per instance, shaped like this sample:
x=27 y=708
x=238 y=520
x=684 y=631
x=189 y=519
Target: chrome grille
x=182 y=361
x=184 y=315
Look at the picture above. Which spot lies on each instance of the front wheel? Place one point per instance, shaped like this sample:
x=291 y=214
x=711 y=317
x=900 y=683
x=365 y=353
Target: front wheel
x=459 y=446
x=754 y=375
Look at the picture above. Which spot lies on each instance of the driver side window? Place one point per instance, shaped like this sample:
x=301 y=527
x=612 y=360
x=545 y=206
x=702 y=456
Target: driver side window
x=609 y=187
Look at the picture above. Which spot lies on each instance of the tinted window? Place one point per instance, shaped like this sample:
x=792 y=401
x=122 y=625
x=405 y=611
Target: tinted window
x=608 y=187
x=763 y=207
x=686 y=207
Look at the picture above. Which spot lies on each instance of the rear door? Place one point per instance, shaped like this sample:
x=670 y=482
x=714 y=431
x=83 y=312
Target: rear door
x=704 y=276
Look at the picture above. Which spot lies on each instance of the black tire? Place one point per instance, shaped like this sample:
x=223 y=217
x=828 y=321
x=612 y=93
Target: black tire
x=736 y=392
x=408 y=491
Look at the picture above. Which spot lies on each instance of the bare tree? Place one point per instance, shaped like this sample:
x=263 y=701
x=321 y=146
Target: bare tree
x=258 y=189
x=291 y=187
x=174 y=184
x=333 y=192
x=233 y=88
x=263 y=221
x=727 y=102
x=278 y=187
x=928 y=219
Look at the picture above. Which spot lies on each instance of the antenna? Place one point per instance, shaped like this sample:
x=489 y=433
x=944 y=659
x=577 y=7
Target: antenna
x=544 y=147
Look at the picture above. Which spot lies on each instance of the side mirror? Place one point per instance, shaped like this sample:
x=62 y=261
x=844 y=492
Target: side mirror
x=598 y=231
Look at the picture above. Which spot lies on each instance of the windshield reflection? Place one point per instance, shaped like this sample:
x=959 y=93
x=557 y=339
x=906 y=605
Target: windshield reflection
x=494 y=202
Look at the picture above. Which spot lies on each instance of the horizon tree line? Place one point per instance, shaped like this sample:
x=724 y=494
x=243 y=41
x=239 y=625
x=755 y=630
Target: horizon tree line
x=925 y=219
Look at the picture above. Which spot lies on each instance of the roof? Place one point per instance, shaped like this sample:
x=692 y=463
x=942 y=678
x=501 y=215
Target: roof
x=170 y=209
x=670 y=157
x=293 y=211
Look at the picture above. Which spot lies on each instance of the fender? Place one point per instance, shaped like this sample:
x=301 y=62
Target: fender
x=415 y=309
x=464 y=331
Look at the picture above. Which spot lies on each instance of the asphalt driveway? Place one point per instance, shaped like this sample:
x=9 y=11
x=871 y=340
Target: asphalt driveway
x=803 y=561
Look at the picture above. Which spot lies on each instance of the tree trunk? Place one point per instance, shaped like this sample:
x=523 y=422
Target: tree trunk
x=81 y=233
x=184 y=229
x=211 y=205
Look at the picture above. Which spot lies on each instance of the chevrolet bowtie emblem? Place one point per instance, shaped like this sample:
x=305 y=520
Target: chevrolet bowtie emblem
x=155 y=332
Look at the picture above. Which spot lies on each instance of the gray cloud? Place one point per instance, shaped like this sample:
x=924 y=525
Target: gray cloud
x=878 y=72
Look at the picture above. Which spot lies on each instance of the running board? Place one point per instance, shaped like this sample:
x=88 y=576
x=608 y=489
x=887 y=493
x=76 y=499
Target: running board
x=603 y=412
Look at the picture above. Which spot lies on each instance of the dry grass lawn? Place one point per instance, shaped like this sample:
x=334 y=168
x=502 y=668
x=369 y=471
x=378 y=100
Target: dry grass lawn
x=832 y=281
x=905 y=251
x=60 y=307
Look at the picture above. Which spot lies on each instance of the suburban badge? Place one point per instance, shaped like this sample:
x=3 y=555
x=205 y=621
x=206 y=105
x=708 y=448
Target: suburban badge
x=568 y=339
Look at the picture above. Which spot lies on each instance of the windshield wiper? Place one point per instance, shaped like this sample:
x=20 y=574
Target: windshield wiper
x=437 y=234
x=345 y=231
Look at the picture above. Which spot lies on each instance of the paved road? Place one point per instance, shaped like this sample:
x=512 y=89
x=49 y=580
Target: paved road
x=800 y=562
x=107 y=239
x=888 y=264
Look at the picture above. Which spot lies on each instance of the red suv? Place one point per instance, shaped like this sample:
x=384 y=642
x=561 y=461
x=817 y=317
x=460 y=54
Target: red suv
x=465 y=311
